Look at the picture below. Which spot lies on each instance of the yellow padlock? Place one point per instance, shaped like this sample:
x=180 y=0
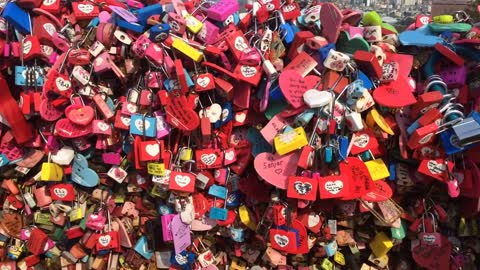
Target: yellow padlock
x=186 y=154
x=327 y=264
x=238 y=264
x=77 y=213
x=339 y=258
x=186 y=49
x=51 y=172
x=377 y=169
x=290 y=141
x=381 y=244
x=245 y=218
x=193 y=24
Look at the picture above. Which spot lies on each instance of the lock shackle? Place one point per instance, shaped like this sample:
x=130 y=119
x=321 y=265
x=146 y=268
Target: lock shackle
x=438 y=82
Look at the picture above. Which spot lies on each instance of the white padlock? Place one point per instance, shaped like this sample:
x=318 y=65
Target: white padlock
x=336 y=61
x=372 y=33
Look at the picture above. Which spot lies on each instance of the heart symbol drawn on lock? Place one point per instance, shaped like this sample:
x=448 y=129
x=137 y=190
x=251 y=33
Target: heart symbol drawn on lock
x=139 y=124
x=6 y=267
x=60 y=192
x=104 y=240
x=313 y=220
x=361 y=140
x=281 y=240
x=27 y=46
x=102 y=126
x=302 y=188
x=83 y=175
x=213 y=112
x=203 y=81
x=152 y=149
x=85 y=8
x=293 y=86
x=230 y=155
x=276 y=169
x=63 y=84
x=334 y=187
x=436 y=168
x=240 y=117
x=182 y=181
x=208 y=159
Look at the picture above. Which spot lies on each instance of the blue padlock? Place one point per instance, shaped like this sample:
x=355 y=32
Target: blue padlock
x=135 y=27
x=141 y=248
x=331 y=248
x=218 y=191
x=144 y=13
x=218 y=213
x=304 y=118
x=392 y=168
x=21 y=76
x=143 y=126
x=234 y=199
x=188 y=78
x=450 y=142
x=227 y=115
x=17 y=17
x=238 y=234
x=287 y=33
x=184 y=259
x=171 y=84
x=159 y=32
x=343 y=144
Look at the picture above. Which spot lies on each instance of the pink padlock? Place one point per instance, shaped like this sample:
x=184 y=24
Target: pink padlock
x=96 y=221
x=112 y=158
x=155 y=54
x=140 y=46
x=221 y=175
x=208 y=33
x=166 y=230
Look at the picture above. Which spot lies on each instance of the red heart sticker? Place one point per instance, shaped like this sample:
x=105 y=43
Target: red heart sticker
x=396 y=94
x=179 y=114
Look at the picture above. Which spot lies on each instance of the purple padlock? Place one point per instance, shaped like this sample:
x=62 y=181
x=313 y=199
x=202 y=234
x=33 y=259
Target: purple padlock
x=454 y=76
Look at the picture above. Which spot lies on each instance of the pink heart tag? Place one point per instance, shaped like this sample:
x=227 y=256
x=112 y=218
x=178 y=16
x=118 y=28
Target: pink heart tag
x=276 y=169
x=293 y=85
x=65 y=128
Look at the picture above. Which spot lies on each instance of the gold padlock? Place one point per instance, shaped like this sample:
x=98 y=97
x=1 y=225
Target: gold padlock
x=238 y=264
x=290 y=141
x=51 y=171
x=381 y=244
x=186 y=154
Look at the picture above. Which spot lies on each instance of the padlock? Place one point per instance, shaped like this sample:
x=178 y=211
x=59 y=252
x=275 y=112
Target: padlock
x=336 y=60
x=432 y=238
x=289 y=141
